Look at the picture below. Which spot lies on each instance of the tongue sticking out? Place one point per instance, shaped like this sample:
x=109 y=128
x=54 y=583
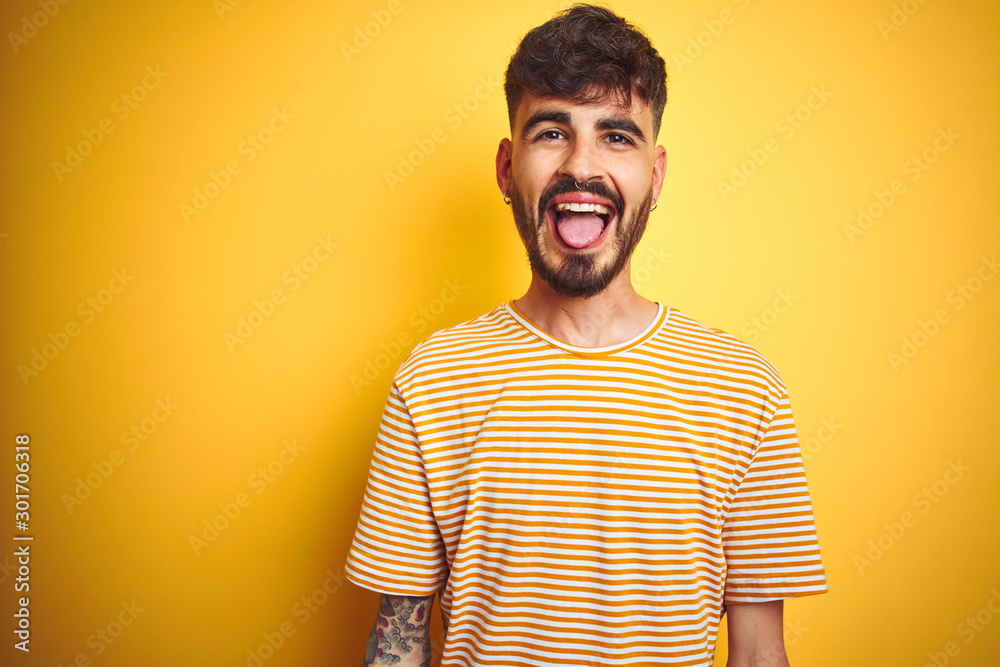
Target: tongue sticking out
x=579 y=230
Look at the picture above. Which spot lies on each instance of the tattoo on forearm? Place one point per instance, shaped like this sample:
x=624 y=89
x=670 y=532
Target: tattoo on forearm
x=401 y=629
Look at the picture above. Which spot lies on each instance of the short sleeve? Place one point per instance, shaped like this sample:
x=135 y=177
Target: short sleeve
x=397 y=546
x=769 y=534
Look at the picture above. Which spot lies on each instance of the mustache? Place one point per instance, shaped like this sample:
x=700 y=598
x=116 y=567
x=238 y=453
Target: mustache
x=568 y=185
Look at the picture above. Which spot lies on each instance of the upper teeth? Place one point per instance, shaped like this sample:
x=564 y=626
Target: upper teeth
x=600 y=209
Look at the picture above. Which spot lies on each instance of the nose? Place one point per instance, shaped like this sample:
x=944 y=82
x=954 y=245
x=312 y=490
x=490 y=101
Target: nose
x=582 y=163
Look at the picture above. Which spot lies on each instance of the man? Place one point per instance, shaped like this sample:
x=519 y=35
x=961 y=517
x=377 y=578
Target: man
x=586 y=476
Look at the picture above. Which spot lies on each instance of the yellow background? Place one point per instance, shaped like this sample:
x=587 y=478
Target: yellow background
x=357 y=114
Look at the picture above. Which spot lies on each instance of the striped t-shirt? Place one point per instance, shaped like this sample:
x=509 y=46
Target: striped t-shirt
x=586 y=506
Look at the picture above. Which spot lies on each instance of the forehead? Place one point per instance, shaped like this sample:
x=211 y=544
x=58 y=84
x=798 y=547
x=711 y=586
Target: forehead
x=584 y=113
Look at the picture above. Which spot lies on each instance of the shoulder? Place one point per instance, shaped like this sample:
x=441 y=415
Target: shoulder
x=458 y=343
x=720 y=352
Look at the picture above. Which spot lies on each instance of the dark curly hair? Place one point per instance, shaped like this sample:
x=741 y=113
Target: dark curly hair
x=587 y=53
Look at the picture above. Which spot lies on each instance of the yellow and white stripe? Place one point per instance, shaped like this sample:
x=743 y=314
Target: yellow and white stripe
x=581 y=506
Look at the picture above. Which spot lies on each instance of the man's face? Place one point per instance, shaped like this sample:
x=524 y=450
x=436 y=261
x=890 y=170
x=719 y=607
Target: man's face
x=581 y=178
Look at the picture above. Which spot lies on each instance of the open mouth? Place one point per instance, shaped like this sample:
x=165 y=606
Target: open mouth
x=580 y=224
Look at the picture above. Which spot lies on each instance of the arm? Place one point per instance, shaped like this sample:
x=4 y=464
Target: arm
x=755 y=635
x=401 y=634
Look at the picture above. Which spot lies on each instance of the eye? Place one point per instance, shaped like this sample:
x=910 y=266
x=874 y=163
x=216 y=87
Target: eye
x=550 y=135
x=617 y=138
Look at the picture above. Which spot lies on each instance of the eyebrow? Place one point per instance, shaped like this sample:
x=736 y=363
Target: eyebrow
x=544 y=116
x=623 y=125
x=563 y=118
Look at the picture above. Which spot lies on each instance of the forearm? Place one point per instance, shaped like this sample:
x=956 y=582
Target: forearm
x=401 y=634
x=755 y=635
x=765 y=657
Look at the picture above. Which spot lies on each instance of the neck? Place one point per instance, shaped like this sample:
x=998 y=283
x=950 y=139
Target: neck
x=616 y=315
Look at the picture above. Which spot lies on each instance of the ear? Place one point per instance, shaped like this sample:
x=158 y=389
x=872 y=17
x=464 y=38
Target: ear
x=504 y=152
x=659 y=170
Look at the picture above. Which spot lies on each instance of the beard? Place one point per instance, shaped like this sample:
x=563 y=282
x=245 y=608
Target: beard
x=572 y=273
